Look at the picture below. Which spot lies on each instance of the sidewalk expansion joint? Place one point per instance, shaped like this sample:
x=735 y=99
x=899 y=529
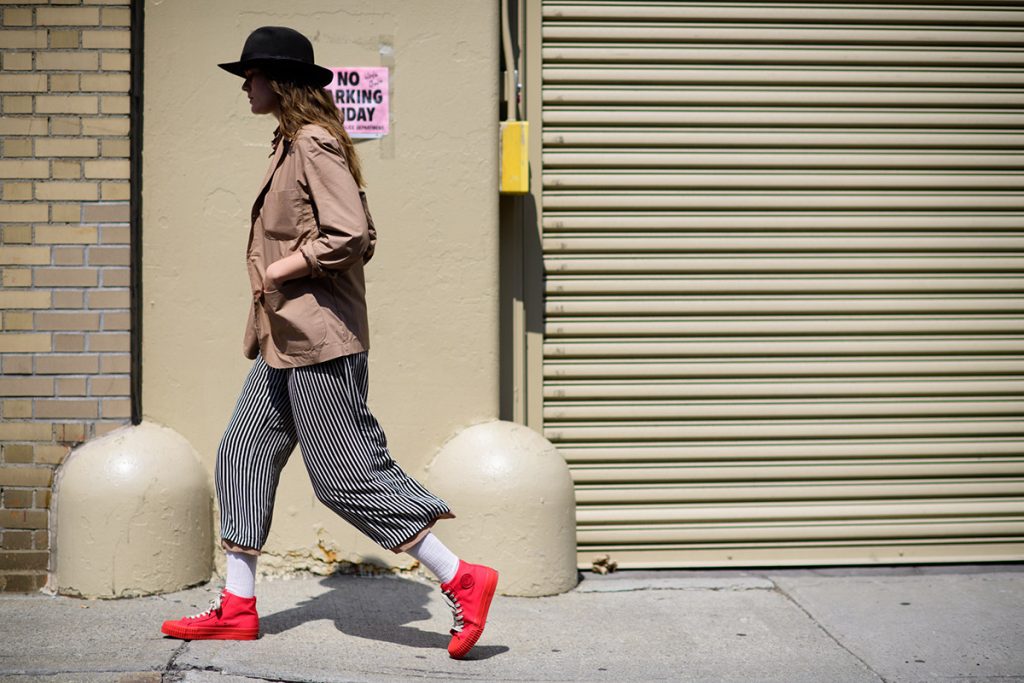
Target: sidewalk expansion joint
x=829 y=634
x=625 y=585
x=180 y=674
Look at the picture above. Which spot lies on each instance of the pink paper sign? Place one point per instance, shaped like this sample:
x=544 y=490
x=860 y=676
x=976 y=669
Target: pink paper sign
x=361 y=94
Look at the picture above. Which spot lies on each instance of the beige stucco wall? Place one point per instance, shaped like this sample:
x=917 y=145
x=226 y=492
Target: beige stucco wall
x=432 y=188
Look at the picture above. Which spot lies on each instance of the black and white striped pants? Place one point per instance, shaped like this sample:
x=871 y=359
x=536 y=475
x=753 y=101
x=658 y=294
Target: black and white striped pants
x=321 y=407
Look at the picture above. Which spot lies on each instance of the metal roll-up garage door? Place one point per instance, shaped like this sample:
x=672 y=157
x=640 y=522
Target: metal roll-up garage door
x=784 y=295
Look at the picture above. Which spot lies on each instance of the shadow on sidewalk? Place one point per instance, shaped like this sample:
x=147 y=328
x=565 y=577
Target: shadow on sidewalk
x=372 y=608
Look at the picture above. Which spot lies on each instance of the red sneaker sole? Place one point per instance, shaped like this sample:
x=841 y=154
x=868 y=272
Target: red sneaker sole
x=199 y=633
x=464 y=646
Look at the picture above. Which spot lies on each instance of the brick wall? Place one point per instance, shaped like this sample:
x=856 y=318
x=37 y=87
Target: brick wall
x=64 y=254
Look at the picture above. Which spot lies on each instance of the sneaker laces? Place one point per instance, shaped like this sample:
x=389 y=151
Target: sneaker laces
x=456 y=607
x=214 y=606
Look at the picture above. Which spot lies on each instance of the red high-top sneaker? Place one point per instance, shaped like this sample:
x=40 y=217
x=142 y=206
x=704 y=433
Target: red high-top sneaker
x=229 y=618
x=469 y=594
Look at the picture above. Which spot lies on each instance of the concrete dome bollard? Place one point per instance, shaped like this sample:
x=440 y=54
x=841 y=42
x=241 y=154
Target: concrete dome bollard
x=133 y=513
x=515 y=506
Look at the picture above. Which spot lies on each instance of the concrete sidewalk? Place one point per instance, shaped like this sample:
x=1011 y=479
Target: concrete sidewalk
x=947 y=623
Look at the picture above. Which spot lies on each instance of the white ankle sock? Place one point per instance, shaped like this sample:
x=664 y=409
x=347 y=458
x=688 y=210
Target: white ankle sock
x=241 y=579
x=436 y=557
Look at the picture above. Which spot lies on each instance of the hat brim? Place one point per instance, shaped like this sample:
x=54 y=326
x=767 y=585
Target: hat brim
x=312 y=74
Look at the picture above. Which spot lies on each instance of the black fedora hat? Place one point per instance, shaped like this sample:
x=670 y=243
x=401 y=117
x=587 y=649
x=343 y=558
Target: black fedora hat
x=284 y=52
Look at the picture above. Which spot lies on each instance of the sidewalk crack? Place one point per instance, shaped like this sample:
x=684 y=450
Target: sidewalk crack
x=171 y=669
x=828 y=633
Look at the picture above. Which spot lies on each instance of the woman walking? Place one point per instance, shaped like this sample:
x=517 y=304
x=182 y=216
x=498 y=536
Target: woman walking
x=307 y=333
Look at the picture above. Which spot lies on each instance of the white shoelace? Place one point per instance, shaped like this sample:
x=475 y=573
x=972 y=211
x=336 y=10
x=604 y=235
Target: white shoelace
x=214 y=606
x=456 y=606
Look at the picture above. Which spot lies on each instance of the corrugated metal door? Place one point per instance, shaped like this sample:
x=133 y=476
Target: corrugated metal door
x=783 y=254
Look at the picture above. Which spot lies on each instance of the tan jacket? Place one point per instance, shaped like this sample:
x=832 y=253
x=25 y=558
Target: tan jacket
x=309 y=202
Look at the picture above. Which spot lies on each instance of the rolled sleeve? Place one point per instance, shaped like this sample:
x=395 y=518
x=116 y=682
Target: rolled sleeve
x=343 y=233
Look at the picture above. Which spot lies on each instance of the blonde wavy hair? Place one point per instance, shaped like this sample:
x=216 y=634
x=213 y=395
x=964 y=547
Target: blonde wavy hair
x=301 y=104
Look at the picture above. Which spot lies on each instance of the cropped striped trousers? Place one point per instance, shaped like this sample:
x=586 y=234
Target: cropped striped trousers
x=322 y=408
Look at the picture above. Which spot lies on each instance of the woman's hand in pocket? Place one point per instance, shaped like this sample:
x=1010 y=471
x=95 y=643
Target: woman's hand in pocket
x=282 y=270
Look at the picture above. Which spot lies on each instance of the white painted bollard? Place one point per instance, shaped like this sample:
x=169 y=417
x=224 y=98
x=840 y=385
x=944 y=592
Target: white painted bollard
x=515 y=507
x=133 y=515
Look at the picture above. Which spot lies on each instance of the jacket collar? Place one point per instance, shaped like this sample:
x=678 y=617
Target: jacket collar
x=279 y=151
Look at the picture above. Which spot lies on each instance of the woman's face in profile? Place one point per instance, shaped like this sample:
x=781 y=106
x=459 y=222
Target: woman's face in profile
x=262 y=99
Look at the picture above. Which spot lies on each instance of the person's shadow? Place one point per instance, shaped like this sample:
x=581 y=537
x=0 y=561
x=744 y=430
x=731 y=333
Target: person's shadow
x=372 y=608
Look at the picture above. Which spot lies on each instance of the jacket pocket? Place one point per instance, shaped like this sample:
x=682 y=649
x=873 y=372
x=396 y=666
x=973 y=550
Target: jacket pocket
x=286 y=214
x=297 y=324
